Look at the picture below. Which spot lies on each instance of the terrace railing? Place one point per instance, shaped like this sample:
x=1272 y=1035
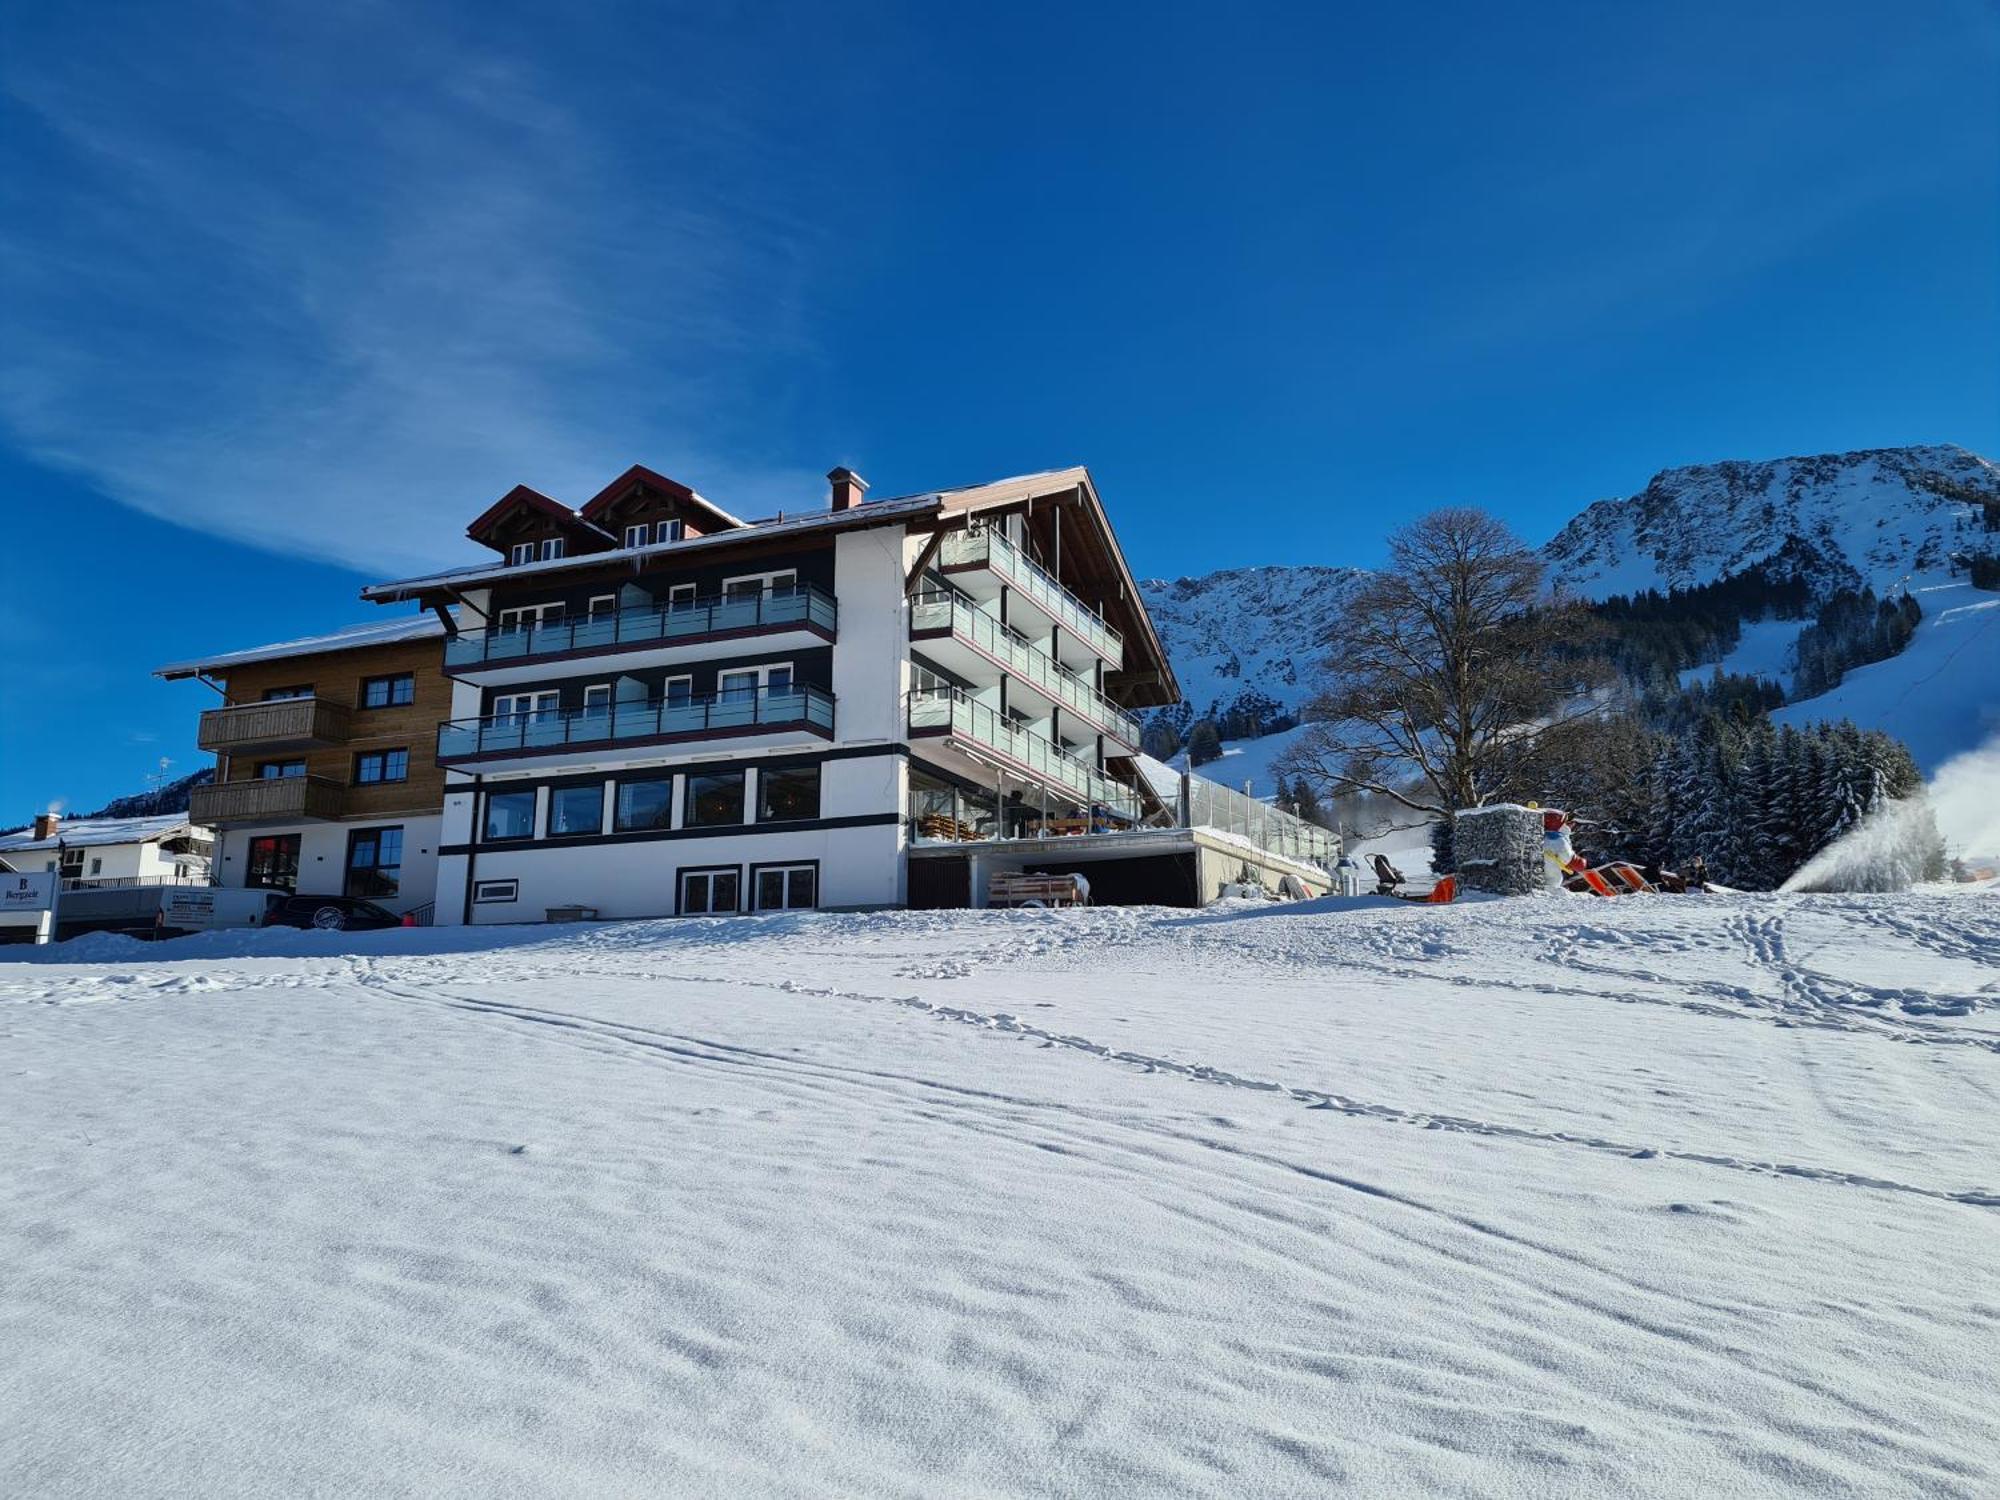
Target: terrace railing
x=948 y=710
x=742 y=613
x=937 y=609
x=732 y=712
x=985 y=547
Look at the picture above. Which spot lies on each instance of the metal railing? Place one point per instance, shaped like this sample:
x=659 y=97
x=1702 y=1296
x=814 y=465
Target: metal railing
x=281 y=721
x=1209 y=804
x=936 y=609
x=123 y=882
x=266 y=799
x=725 y=713
x=950 y=710
x=988 y=548
x=653 y=624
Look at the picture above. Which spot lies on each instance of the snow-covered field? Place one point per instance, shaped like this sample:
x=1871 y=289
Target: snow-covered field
x=1690 y=1197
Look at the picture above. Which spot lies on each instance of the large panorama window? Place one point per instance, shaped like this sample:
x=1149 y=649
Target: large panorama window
x=714 y=798
x=787 y=793
x=509 y=815
x=576 y=809
x=645 y=804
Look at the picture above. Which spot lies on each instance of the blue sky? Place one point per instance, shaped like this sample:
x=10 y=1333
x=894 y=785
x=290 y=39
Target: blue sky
x=287 y=294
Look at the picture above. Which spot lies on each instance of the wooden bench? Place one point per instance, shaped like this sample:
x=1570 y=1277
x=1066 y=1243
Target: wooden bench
x=1037 y=890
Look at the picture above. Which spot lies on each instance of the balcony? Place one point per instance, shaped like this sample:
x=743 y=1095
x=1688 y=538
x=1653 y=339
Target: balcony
x=936 y=615
x=990 y=550
x=281 y=724
x=532 y=736
x=947 y=711
x=269 y=799
x=655 y=632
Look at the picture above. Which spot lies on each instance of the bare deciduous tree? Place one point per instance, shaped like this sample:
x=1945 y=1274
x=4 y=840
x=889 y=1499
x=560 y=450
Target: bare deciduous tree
x=1453 y=672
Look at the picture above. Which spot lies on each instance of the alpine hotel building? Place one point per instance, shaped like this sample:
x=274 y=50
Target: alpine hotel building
x=659 y=708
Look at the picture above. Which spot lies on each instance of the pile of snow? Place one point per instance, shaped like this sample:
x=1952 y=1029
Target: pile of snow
x=1680 y=1196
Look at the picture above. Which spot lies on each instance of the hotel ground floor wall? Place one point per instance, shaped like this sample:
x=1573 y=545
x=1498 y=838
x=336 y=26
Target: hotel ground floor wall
x=323 y=856
x=853 y=867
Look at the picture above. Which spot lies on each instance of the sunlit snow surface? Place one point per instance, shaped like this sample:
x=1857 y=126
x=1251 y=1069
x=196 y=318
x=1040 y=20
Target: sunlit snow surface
x=1547 y=1198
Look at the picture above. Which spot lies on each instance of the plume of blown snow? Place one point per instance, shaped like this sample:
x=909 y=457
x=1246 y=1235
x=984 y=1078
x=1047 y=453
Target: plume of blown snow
x=1888 y=850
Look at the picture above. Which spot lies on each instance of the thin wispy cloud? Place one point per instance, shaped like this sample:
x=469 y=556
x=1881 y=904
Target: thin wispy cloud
x=397 y=270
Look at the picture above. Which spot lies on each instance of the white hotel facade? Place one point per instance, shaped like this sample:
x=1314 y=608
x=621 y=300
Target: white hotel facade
x=658 y=708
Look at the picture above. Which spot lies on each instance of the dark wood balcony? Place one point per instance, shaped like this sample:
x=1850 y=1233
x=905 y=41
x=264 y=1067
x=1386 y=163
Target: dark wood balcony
x=269 y=799
x=281 y=724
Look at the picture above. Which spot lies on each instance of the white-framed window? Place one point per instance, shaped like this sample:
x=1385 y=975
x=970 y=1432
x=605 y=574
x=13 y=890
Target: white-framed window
x=639 y=534
x=750 y=585
x=530 y=617
x=519 y=553
x=668 y=531
x=784 y=887
x=710 y=891
x=677 y=692
x=496 y=890
x=603 y=604
x=552 y=549
x=597 y=699
x=511 y=708
x=742 y=683
x=681 y=596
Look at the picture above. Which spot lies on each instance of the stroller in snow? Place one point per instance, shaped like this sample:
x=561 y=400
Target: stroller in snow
x=1387 y=876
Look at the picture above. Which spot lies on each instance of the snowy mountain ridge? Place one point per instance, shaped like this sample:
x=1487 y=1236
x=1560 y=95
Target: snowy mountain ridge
x=1890 y=518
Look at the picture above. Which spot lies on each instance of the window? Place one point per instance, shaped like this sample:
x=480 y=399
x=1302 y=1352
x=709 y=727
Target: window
x=787 y=792
x=552 y=549
x=668 y=531
x=576 y=809
x=736 y=687
x=371 y=766
x=273 y=862
x=645 y=804
x=509 y=815
x=496 y=890
x=394 y=691
x=513 y=708
x=681 y=596
x=597 y=700
x=785 y=887
x=281 y=694
x=750 y=585
x=96 y=866
x=714 y=797
x=709 y=892
x=638 y=534
x=520 y=552
x=72 y=863
x=603 y=604
x=530 y=617
x=280 y=770
x=374 y=863
x=677 y=692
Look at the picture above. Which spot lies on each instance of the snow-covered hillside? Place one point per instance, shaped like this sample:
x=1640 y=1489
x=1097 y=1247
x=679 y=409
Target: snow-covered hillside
x=1681 y=1197
x=1264 y=630
x=1872 y=517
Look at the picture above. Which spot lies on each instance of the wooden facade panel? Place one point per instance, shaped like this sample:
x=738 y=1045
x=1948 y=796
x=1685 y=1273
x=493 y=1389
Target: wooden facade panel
x=337 y=677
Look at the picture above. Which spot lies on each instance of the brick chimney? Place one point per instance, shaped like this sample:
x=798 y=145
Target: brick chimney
x=848 y=488
x=45 y=825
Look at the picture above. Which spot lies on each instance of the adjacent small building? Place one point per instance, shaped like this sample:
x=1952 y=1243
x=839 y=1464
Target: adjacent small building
x=166 y=849
x=326 y=776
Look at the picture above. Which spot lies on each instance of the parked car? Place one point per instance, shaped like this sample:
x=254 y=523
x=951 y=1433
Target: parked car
x=331 y=913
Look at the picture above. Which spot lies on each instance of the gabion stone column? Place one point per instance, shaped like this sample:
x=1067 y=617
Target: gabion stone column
x=1499 y=849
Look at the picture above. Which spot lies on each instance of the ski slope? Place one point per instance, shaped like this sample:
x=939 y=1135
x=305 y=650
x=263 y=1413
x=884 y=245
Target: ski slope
x=1532 y=1199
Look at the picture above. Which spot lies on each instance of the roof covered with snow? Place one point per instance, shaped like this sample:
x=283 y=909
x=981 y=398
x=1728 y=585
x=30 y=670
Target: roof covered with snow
x=348 y=638
x=90 y=832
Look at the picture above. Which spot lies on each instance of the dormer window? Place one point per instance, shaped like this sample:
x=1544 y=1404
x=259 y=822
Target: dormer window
x=667 y=531
x=520 y=552
x=639 y=535
x=552 y=549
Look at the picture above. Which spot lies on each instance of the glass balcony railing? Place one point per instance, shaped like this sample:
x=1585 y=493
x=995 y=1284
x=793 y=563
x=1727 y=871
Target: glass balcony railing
x=947 y=710
x=743 y=613
x=988 y=548
x=736 y=711
x=936 y=610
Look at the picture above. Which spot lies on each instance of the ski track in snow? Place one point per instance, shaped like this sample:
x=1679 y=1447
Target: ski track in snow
x=1276 y=1096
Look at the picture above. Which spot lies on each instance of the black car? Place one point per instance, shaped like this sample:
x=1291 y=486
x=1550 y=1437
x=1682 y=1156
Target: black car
x=331 y=913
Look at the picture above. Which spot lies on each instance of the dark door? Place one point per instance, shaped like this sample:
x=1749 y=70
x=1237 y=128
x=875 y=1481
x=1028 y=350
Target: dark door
x=273 y=862
x=940 y=884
